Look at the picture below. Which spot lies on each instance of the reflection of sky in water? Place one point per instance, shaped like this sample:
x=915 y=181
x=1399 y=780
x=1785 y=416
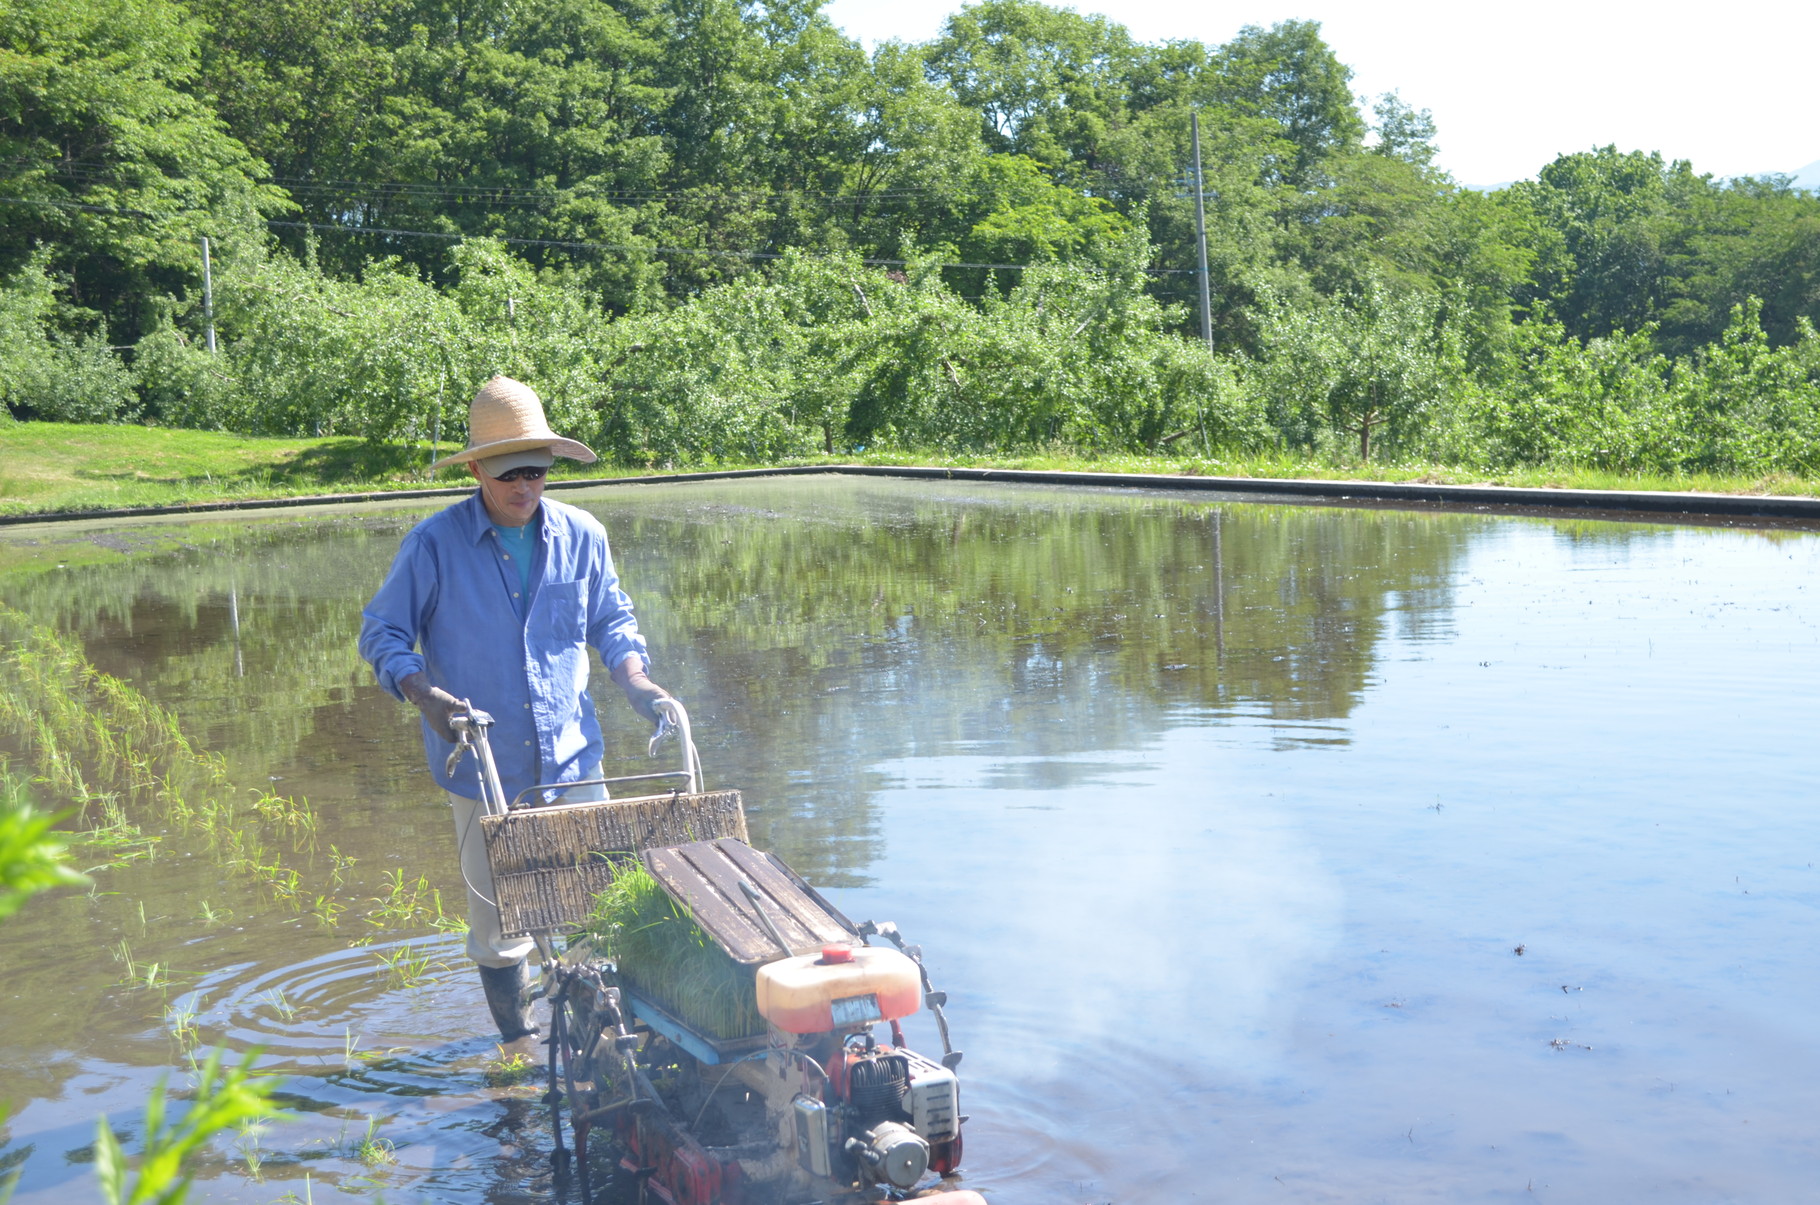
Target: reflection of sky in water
x=1223 y=961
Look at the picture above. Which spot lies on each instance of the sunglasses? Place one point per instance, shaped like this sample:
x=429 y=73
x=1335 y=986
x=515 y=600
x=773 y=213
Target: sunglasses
x=529 y=472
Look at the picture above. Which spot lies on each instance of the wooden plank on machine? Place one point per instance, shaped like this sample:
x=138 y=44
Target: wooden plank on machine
x=548 y=863
x=706 y=875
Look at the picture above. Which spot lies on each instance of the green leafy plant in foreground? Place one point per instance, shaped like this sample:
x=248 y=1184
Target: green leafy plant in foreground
x=32 y=860
x=31 y=852
x=223 y=1100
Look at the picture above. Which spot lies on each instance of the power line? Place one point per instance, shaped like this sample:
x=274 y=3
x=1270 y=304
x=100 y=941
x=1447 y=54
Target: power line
x=78 y=206
x=563 y=244
x=510 y=192
x=576 y=245
x=506 y=193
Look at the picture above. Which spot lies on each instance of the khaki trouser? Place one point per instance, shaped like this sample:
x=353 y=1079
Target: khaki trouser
x=486 y=945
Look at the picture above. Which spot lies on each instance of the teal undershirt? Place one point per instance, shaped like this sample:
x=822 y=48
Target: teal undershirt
x=520 y=544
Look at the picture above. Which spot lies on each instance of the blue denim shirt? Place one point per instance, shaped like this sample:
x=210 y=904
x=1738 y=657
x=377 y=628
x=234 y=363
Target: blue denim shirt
x=448 y=607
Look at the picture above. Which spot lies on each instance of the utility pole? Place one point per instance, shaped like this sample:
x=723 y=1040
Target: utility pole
x=208 y=294
x=1200 y=231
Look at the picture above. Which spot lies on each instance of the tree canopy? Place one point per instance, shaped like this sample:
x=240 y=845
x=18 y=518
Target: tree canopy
x=635 y=156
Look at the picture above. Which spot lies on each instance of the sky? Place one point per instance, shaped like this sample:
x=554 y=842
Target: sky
x=1511 y=86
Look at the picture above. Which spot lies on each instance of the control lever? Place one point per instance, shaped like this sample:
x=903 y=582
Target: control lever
x=470 y=725
x=951 y=1058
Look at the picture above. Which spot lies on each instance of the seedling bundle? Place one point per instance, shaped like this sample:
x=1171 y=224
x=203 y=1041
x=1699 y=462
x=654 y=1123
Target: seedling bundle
x=661 y=951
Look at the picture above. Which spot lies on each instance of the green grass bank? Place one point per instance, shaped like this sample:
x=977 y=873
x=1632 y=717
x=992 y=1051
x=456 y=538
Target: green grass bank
x=50 y=468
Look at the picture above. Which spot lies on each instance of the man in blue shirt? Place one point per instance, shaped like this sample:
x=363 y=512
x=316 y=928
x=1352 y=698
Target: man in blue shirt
x=494 y=602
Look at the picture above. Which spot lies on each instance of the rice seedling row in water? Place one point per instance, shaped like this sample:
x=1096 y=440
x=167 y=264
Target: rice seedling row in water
x=408 y=967
x=80 y=724
x=660 y=949
x=409 y=904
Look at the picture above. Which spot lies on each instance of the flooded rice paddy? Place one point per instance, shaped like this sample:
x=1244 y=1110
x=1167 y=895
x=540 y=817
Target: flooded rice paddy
x=1266 y=852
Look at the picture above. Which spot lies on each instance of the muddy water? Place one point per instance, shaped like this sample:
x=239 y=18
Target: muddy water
x=1266 y=852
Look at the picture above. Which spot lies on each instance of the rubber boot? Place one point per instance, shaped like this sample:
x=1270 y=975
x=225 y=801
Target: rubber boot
x=509 y=997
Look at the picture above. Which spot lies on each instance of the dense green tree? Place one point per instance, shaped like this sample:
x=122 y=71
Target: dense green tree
x=109 y=158
x=1608 y=210
x=1046 y=82
x=1404 y=132
x=1289 y=76
x=685 y=219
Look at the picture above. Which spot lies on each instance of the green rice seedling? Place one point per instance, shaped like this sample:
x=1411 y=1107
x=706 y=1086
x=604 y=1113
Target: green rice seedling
x=251 y=1131
x=339 y=865
x=139 y=974
x=326 y=911
x=291 y=1198
x=280 y=1005
x=288 y=813
x=373 y=1150
x=80 y=726
x=446 y=922
x=407 y=967
x=407 y=904
x=393 y=906
x=658 y=947
x=116 y=837
x=181 y=1018
x=208 y=914
x=123 y=954
x=510 y=1069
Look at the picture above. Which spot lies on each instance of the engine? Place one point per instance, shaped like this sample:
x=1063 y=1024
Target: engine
x=891 y=1116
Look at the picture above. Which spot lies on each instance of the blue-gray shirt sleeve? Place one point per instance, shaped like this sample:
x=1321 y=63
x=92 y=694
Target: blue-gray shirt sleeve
x=392 y=623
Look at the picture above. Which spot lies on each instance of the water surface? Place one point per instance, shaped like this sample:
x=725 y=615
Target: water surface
x=1222 y=823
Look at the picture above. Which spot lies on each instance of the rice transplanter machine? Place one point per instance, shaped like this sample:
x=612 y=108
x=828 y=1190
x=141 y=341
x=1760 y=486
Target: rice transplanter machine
x=793 y=1097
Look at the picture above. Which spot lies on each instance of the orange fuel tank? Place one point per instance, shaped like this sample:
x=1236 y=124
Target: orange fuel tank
x=843 y=986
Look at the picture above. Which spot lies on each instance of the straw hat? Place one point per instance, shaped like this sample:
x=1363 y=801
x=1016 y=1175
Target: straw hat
x=505 y=416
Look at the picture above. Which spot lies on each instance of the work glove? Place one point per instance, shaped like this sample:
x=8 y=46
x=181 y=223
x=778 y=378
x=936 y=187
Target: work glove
x=437 y=705
x=643 y=694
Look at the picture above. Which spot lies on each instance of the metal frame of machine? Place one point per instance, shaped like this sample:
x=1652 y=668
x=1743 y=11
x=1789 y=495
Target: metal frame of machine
x=816 y=1105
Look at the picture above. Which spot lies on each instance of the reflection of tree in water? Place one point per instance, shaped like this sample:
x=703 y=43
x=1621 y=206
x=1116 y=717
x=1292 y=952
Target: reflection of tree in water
x=829 y=627
x=245 y=629
x=817 y=629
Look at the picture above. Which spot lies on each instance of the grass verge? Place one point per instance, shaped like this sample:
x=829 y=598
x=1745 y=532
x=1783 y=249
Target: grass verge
x=48 y=468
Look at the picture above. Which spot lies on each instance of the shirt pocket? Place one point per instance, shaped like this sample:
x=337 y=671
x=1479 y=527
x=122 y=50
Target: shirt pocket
x=560 y=612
